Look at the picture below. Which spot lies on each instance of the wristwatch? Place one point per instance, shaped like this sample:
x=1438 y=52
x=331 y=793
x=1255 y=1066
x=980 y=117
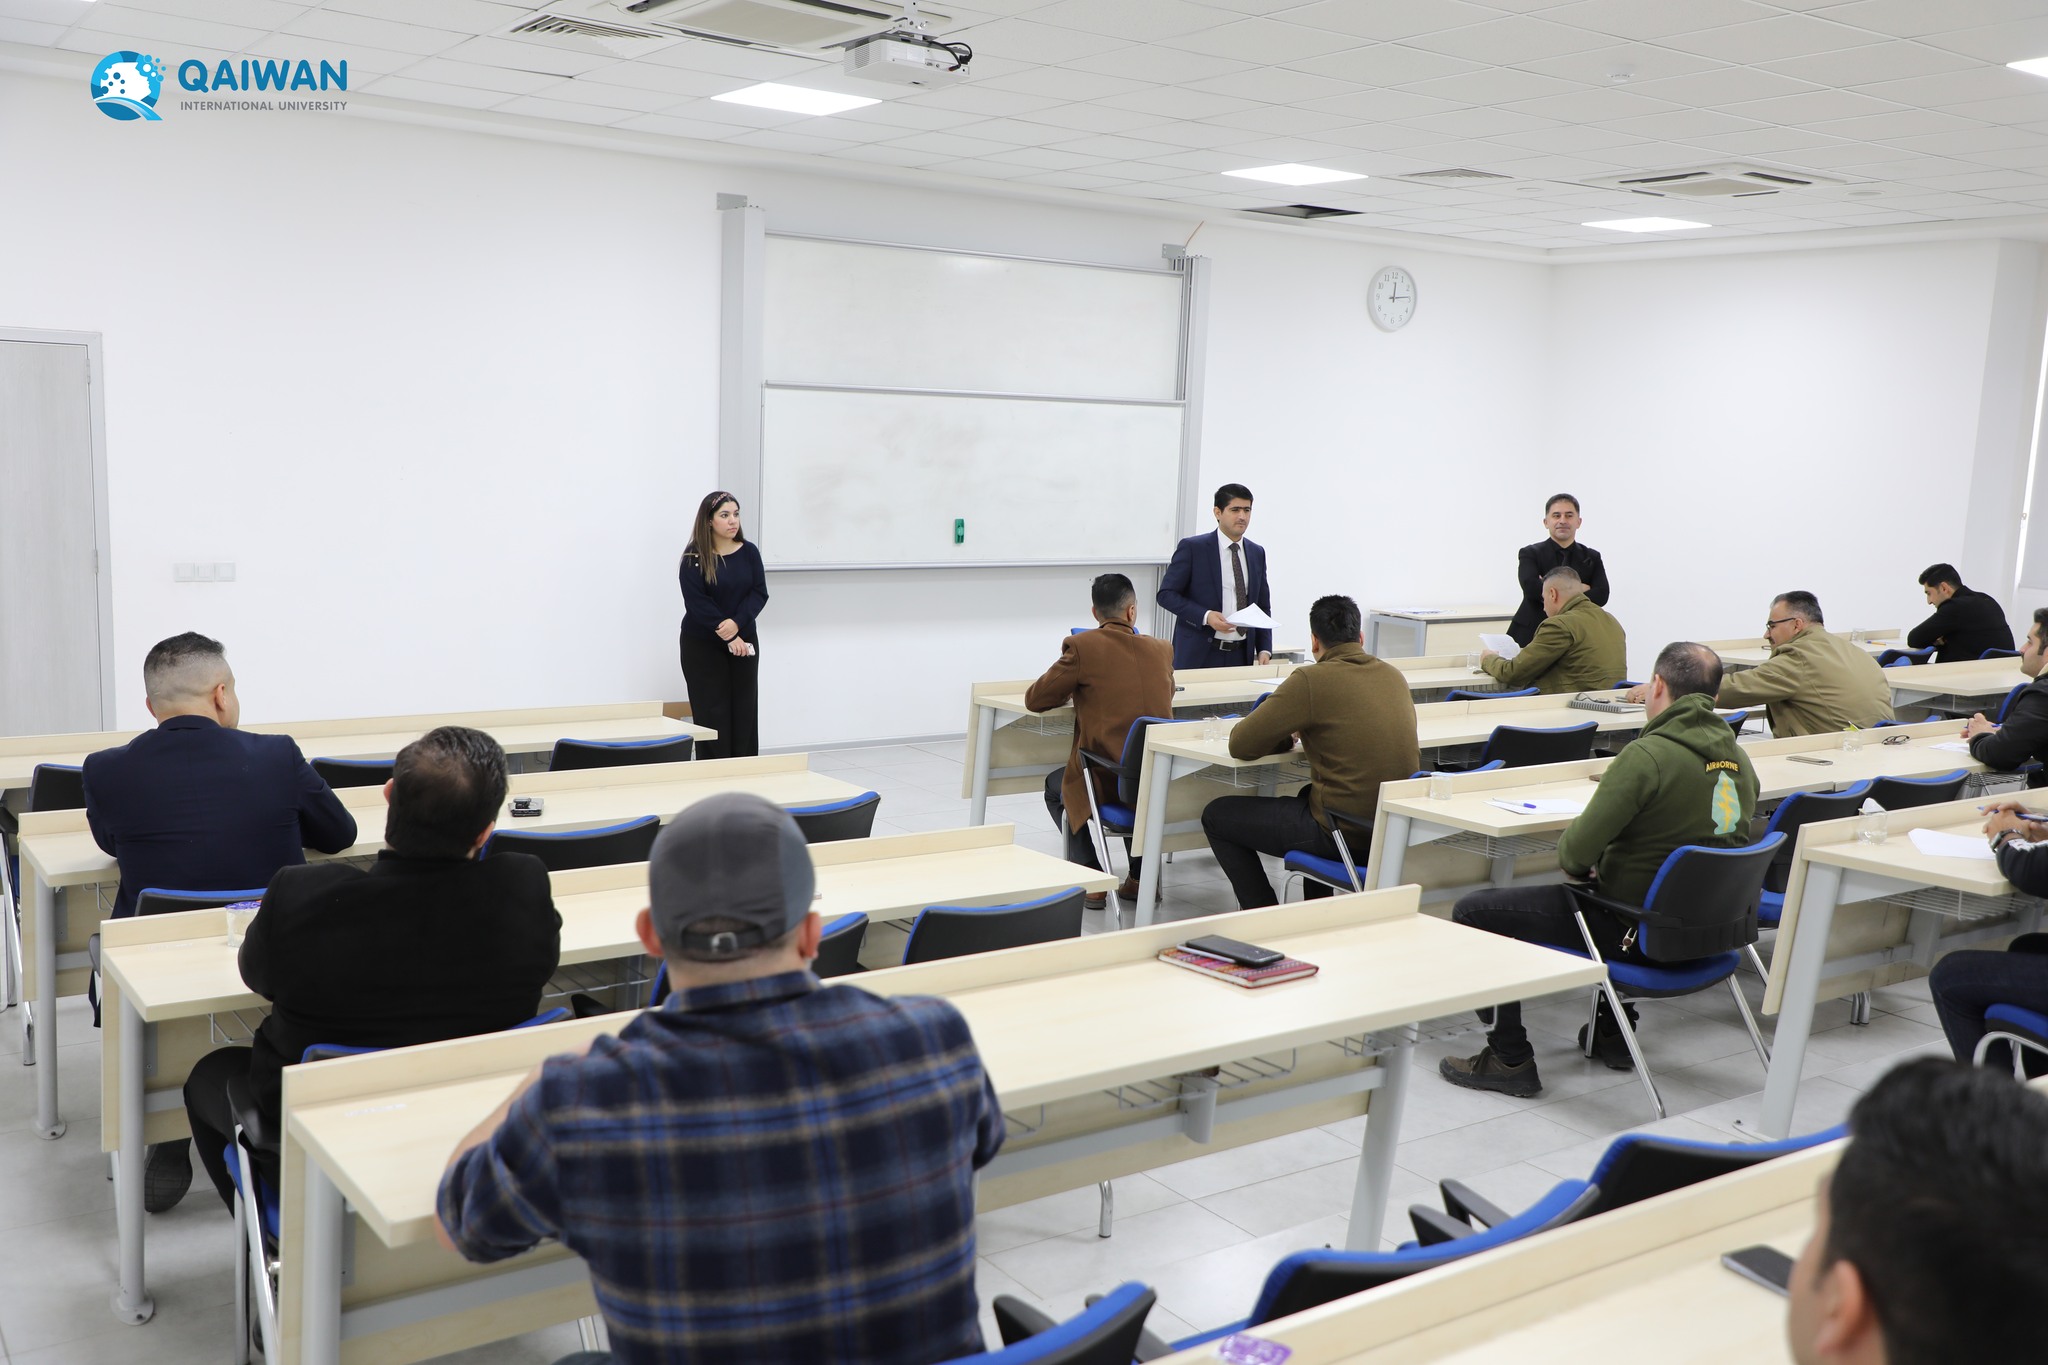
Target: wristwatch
x=2000 y=839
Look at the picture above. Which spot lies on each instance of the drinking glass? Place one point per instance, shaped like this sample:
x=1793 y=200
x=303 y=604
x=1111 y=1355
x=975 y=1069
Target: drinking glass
x=1439 y=786
x=1872 y=827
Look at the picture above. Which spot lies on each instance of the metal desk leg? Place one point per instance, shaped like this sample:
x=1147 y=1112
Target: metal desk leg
x=10 y=972
x=1376 y=1159
x=1802 y=990
x=1155 y=838
x=320 y=1276
x=48 y=1124
x=1393 y=852
x=132 y=1304
x=985 y=738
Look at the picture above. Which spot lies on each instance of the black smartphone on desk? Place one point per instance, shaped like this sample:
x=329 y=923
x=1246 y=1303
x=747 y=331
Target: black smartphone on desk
x=1808 y=758
x=1767 y=1266
x=1230 y=950
x=524 y=806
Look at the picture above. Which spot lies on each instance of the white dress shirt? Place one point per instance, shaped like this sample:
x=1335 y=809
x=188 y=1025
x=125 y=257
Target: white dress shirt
x=1230 y=582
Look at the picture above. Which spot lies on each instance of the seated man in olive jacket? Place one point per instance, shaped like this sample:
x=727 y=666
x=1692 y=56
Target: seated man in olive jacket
x=432 y=941
x=1355 y=718
x=1578 y=648
x=1683 y=781
x=1815 y=682
x=2022 y=736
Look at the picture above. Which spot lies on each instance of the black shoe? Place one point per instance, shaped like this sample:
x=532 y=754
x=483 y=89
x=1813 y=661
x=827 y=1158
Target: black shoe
x=1488 y=1072
x=1608 y=1044
x=166 y=1175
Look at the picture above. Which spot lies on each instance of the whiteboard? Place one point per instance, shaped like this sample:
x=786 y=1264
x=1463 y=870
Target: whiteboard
x=862 y=478
x=862 y=315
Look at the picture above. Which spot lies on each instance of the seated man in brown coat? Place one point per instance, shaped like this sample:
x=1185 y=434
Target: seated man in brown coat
x=1355 y=718
x=1111 y=675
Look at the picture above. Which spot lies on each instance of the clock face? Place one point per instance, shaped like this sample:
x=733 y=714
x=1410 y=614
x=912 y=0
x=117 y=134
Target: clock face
x=1392 y=298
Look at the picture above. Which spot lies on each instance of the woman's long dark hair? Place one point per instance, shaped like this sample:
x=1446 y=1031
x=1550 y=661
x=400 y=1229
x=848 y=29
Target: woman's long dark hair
x=703 y=540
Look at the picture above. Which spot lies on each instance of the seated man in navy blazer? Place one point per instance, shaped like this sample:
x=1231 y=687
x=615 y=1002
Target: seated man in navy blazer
x=1212 y=576
x=198 y=805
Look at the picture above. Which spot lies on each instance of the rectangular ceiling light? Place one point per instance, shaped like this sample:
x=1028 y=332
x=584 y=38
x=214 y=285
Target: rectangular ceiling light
x=1646 y=224
x=795 y=99
x=1292 y=174
x=2033 y=66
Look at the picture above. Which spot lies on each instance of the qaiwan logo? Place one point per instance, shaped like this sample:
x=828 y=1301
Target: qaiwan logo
x=125 y=86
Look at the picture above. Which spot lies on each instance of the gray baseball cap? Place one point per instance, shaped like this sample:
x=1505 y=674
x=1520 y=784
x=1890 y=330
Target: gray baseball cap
x=735 y=860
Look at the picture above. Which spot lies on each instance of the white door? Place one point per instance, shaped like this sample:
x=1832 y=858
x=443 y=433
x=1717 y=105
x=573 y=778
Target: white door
x=51 y=607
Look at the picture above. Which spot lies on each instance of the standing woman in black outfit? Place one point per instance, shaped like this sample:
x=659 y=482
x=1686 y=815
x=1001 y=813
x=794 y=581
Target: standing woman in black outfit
x=724 y=589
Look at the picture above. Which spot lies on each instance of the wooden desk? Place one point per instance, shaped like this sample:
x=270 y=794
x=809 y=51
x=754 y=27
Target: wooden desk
x=1642 y=1283
x=1515 y=846
x=1057 y=1024
x=1963 y=687
x=1395 y=632
x=58 y=855
x=1860 y=915
x=174 y=992
x=532 y=730
x=1750 y=650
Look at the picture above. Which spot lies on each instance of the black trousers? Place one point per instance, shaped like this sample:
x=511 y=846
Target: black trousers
x=1080 y=848
x=1534 y=914
x=1240 y=828
x=1965 y=984
x=724 y=695
x=213 y=1122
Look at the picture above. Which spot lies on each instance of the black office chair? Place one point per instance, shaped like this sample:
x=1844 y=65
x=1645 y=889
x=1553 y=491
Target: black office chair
x=1800 y=808
x=1104 y=1333
x=1904 y=658
x=1119 y=818
x=1467 y=694
x=354 y=772
x=627 y=842
x=957 y=930
x=1903 y=793
x=51 y=786
x=157 y=901
x=839 y=946
x=570 y=755
x=56 y=786
x=1520 y=746
x=828 y=821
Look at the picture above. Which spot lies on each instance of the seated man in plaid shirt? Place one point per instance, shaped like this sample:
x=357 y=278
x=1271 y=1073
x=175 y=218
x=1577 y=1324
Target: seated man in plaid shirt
x=763 y=1169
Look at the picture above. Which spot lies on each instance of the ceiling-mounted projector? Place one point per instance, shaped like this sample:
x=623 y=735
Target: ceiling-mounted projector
x=907 y=55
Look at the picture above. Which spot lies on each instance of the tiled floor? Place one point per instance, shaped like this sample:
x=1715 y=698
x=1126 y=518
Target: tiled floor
x=1203 y=1231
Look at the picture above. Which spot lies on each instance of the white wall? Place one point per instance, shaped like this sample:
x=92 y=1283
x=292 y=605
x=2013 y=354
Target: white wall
x=447 y=400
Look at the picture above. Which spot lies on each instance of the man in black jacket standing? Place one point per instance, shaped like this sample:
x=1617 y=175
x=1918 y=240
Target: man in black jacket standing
x=1561 y=547
x=1965 y=622
x=2021 y=737
x=430 y=942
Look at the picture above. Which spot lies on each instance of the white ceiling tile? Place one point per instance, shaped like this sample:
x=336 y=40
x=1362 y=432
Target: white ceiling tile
x=463 y=16
x=1786 y=143
x=669 y=126
x=1649 y=19
x=30 y=33
x=725 y=60
x=673 y=80
x=973 y=99
x=1478 y=122
x=1024 y=41
x=1201 y=136
x=1264 y=40
x=633 y=98
x=1385 y=64
x=1165 y=65
x=1913 y=18
x=1975 y=83
x=1684 y=124
x=60 y=12
x=1641 y=61
x=1771 y=40
x=1493 y=85
x=1070 y=180
x=2009 y=42
x=1116 y=148
x=1015 y=132
x=908 y=113
x=1987 y=179
x=2010 y=110
x=327 y=26
x=1905 y=123
x=1276 y=118
x=2022 y=158
x=1389 y=20
x=515 y=56
x=1595 y=105
x=889 y=154
x=1816 y=106
x=1377 y=137
x=533 y=106
x=849 y=131
x=363 y=62
x=1882 y=164
x=1845 y=155
x=1270 y=151
x=429 y=92
x=167 y=28
x=739 y=116
x=949 y=144
x=1970 y=142
x=263 y=15
x=1722 y=85
x=1209 y=162
x=782 y=140
x=1373 y=106
x=1044 y=158
x=1272 y=85
x=979 y=167
x=1167 y=101
x=1092 y=118
x=1143 y=172
x=1513 y=41
x=1870 y=64
x=1065 y=83
x=1142 y=21
x=1566 y=138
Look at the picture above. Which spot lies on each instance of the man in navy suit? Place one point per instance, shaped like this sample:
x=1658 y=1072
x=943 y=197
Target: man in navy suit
x=197 y=805
x=1212 y=575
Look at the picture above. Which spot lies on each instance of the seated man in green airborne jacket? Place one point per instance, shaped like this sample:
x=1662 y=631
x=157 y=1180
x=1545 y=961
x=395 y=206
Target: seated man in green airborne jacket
x=1578 y=648
x=1683 y=781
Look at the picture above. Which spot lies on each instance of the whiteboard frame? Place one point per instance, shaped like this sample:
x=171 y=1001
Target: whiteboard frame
x=743 y=389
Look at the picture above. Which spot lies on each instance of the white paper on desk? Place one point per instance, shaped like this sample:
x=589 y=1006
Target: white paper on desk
x=1954 y=746
x=1547 y=806
x=1417 y=611
x=1250 y=615
x=1503 y=645
x=1936 y=844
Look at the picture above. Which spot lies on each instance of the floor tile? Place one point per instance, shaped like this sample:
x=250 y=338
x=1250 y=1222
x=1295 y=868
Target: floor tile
x=1068 y=1211
x=1883 y=1035
x=1141 y=1247
x=1220 y=1286
x=1487 y=1146
x=1202 y=1176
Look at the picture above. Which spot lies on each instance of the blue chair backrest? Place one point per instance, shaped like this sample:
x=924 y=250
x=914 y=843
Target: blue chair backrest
x=1901 y=658
x=1703 y=900
x=56 y=786
x=1638 y=1166
x=354 y=772
x=570 y=755
x=626 y=842
x=1486 y=767
x=1808 y=808
x=156 y=900
x=2006 y=706
x=1520 y=746
x=327 y=1052
x=957 y=930
x=1999 y=654
x=1466 y=694
x=1901 y=793
x=852 y=818
x=1736 y=720
x=1131 y=764
x=1104 y=1333
x=839 y=946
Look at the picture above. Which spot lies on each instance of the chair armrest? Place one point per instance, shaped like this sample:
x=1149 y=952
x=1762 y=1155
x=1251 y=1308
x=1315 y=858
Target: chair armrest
x=242 y=1102
x=1018 y=1321
x=1098 y=761
x=1150 y=1346
x=1344 y=821
x=1589 y=899
x=1434 y=1227
x=1466 y=1204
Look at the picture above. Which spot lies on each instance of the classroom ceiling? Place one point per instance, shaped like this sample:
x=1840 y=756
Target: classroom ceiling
x=1905 y=107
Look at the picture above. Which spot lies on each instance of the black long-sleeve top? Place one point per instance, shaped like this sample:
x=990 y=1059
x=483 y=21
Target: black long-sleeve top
x=1534 y=561
x=738 y=595
x=1964 y=626
x=2022 y=737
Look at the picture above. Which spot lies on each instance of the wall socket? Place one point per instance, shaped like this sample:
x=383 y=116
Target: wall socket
x=209 y=572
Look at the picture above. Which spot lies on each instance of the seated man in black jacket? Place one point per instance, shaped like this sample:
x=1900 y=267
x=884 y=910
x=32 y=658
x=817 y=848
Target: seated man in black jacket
x=1965 y=622
x=2022 y=737
x=1965 y=984
x=430 y=942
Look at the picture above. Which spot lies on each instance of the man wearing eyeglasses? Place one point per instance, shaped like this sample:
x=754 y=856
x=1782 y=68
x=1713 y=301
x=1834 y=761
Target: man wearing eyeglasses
x=1815 y=682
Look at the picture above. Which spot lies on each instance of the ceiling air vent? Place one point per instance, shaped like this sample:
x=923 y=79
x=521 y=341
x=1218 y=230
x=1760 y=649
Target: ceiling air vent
x=1455 y=176
x=593 y=36
x=798 y=25
x=1726 y=181
x=1304 y=211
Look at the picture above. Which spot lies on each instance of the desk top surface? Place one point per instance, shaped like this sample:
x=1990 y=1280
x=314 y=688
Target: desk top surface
x=1431 y=615
x=1052 y=1020
x=1831 y=843
x=1227 y=686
